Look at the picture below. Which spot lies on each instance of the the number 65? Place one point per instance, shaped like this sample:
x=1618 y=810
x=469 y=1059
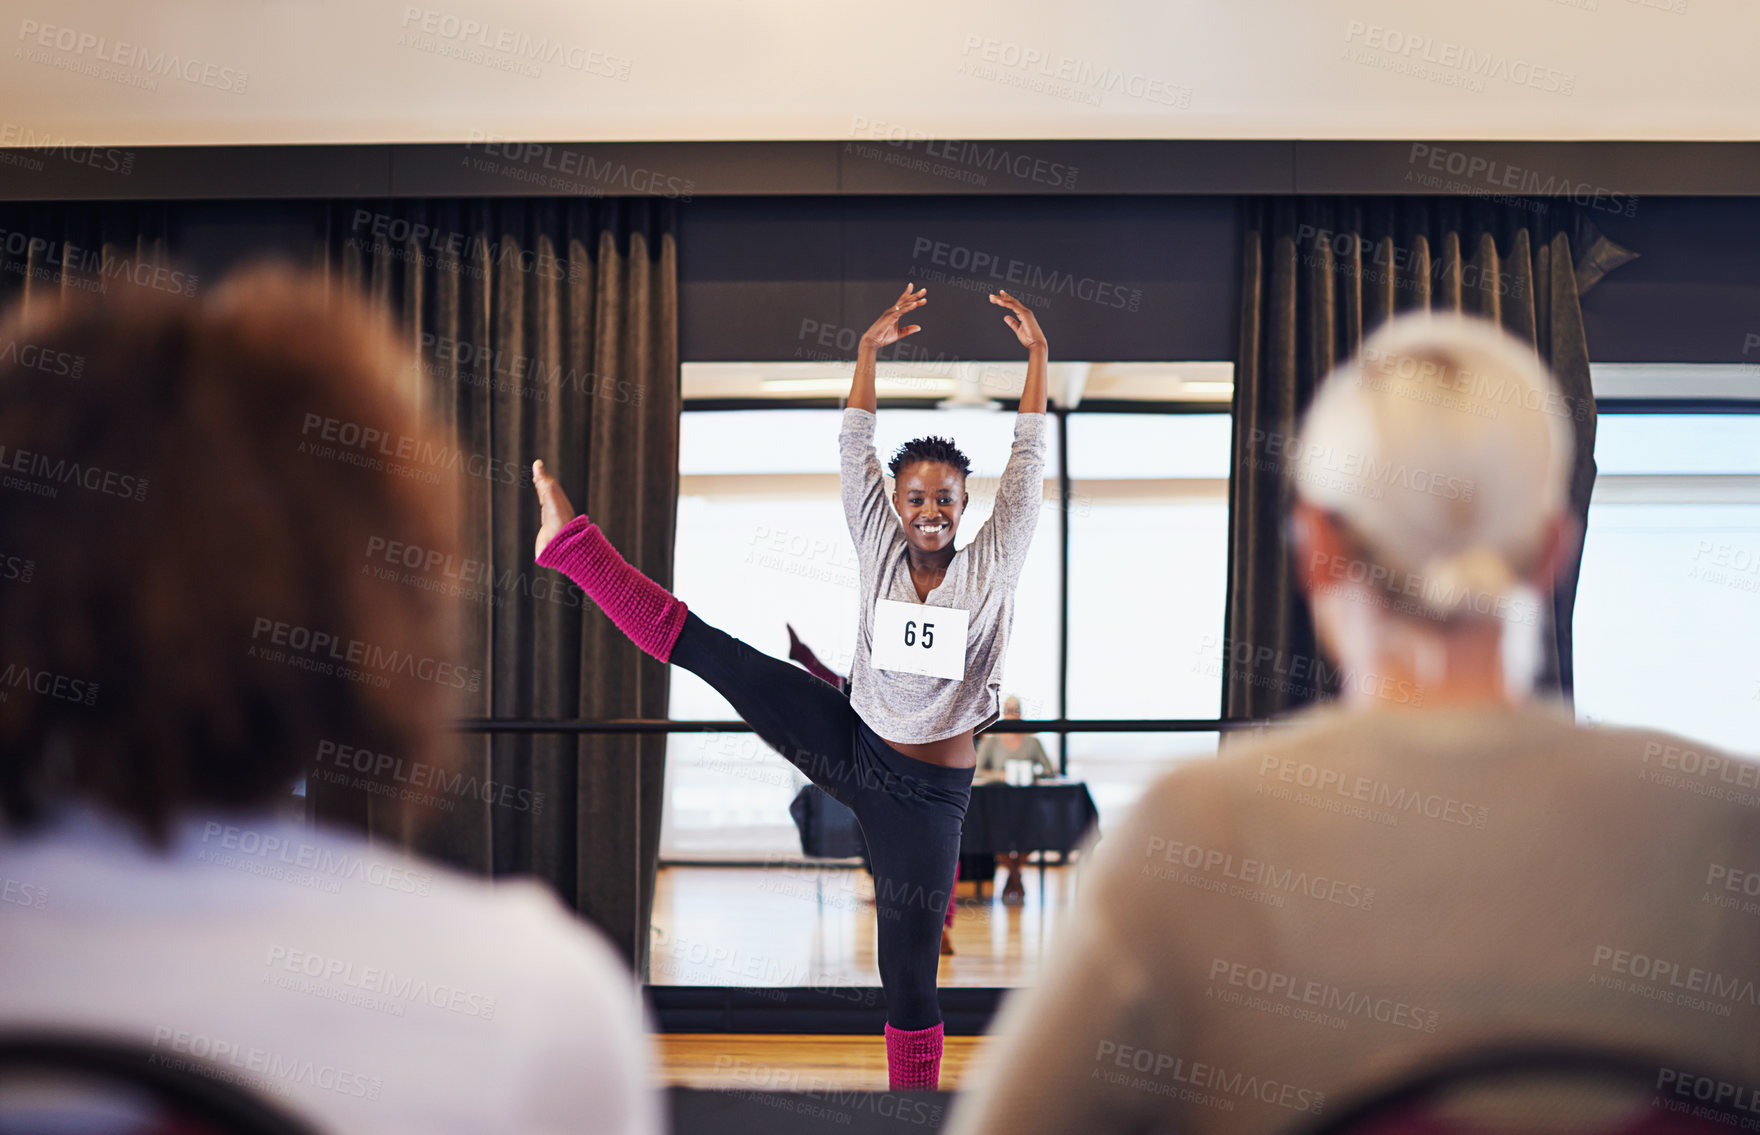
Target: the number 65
x=910 y=634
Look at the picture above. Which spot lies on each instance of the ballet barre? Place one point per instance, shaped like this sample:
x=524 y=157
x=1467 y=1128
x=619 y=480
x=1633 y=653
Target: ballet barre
x=668 y=725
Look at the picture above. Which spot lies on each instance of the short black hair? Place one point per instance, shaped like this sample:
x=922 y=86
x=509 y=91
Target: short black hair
x=940 y=449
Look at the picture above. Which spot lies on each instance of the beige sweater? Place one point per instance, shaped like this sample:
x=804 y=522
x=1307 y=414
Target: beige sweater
x=1335 y=903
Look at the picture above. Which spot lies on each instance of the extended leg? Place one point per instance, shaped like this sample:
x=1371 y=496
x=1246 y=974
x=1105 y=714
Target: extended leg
x=794 y=713
x=641 y=608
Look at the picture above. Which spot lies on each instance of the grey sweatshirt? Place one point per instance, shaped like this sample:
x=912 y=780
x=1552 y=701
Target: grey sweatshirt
x=1335 y=905
x=914 y=708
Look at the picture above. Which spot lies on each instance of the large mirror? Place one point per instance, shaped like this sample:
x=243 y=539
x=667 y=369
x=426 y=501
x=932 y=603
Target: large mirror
x=762 y=881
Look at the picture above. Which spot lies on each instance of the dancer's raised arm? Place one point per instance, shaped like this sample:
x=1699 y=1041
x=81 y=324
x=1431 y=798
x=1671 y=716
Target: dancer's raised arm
x=1026 y=329
x=883 y=333
x=871 y=519
x=1008 y=533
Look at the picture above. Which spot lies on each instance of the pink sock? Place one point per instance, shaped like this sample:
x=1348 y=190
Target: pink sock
x=913 y=1058
x=641 y=608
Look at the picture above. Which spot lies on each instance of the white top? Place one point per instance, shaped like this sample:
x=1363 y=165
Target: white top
x=367 y=990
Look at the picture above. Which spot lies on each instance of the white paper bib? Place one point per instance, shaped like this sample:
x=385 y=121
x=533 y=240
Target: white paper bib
x=915 y=638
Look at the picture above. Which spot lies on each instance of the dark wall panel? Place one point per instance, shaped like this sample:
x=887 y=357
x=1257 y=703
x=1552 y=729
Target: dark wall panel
x=1693 y=295
x=1120 y=279
x=799 y=277
x=867 y=166
x=753 y=272
x=214 y=237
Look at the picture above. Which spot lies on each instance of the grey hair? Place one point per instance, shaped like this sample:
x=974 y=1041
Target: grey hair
x=1445 y=447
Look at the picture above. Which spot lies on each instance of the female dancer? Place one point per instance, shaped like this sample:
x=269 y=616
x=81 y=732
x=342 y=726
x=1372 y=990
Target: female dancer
x=898 y=751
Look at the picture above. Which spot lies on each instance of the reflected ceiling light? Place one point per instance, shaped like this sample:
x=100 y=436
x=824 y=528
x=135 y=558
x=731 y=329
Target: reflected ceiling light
x=806 y=385
x=888 y=383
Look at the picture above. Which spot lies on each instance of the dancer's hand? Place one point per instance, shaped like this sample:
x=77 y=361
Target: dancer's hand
x=1022 y=322
x=886 y=330
x=553 y=507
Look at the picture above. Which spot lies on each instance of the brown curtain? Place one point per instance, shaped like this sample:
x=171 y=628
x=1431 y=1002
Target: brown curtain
x=50 y=249
x=1317 y=275
x=546 y=328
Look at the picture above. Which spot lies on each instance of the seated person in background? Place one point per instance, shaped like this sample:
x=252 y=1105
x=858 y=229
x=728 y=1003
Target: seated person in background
x=196 y=625
x=1437 y=863
x=995 y=750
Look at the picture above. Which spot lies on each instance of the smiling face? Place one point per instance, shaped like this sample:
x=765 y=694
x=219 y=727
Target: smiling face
x=930 y=498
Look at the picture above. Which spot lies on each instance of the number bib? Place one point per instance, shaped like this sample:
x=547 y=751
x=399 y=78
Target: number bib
x=916 y=638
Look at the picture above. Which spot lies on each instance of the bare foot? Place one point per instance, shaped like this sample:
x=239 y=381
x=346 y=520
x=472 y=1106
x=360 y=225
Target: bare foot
x=946 y=942
x=553 y=507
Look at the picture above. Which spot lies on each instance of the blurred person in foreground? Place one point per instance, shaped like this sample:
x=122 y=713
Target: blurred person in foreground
x=1438 y=862
x=197 y=628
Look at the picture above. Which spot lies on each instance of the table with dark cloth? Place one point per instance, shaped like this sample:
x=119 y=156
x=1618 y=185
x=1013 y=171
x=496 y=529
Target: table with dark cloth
x=1001 y=818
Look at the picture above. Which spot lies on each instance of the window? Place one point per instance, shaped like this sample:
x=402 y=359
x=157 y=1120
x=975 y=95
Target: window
x=1668 y=603
x=1148 y=563
x=1148 y=569
x=1119 y=766
x=762 y=543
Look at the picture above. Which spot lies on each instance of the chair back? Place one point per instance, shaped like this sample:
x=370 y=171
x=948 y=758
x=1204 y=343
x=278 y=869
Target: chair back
x=1562 y=1089
x=74 y=1084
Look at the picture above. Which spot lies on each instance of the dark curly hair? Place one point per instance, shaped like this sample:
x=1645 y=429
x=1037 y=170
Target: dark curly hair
x=189 y=620
x=940 y=449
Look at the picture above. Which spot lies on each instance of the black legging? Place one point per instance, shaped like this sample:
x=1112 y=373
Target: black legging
x=910 y=810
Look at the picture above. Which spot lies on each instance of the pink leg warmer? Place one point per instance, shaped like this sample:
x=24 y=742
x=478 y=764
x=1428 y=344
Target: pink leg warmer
x=913 y=1058
x=641 y=608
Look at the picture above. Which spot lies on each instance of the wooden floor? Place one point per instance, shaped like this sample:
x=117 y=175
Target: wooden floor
x=793 y=1063
x=783 y=925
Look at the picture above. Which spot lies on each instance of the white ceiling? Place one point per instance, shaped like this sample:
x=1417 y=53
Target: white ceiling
x=129 y=72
